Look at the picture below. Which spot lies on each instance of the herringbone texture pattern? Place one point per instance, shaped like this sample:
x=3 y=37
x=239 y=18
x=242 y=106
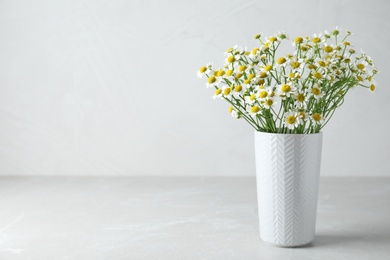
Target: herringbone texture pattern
x=287 y=169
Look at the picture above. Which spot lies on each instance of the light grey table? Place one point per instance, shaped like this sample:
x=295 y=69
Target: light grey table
x=180 y=218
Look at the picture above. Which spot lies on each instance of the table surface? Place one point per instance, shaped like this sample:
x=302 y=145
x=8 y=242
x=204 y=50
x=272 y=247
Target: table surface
x=180 y=218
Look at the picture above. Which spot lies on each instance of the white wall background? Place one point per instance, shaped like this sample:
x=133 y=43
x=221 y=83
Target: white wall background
x=110 y=88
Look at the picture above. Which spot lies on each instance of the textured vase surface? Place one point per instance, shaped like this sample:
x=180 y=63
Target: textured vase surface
x=287 y=175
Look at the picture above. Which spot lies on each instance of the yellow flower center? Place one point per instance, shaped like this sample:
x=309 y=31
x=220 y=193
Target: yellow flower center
x=312 y=66
x=229 y=50
x=254 y=51
x=251 y=76
x=295 y=64
x=242 y=68
x=347 y=60
x=346 y=43
x=360 y=66
x=263 y=94
x=218 y=91
x=260 y=82
x=317 y=75
x=238 y=88
x=298 y=40
x=281 y=60
x=202 y=69
x=211 y=79
x=317 y=117
x=263 y=74
x=226 y=91
x=247 y=53
x=247 y=81
x=229 y=72
x=252 y=97
x=304 y=48
x=231 y=59
x=300 y=97
x=286 y=88
x=360 y=78
x=322 y=63
x=273 y=39
x=291 y=120
x=230 y=109
x=316 y=91
x=221 y=73
x=302 y=115
x=239 y=75
x=266 y=46
x=255 y=109
x=269 y=102
x=372 y=87
x=272 y=94
x=268 y=68
x=316 y=40
x=328 y=49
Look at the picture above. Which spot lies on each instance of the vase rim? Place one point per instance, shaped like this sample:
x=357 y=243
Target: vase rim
x=283 y=134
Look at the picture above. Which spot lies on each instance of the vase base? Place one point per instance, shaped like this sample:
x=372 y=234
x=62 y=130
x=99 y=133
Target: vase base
x=309 y=244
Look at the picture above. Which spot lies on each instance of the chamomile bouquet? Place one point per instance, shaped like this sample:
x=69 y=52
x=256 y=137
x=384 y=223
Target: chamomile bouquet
x=295 y=93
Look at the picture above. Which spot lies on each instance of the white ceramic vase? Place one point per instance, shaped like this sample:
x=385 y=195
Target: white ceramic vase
x=287 y=174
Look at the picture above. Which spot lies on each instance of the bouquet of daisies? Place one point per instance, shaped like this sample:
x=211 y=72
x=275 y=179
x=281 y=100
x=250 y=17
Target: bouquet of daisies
x=295 y=93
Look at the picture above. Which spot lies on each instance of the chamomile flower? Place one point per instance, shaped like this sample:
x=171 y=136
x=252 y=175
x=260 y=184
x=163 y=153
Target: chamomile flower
x=281 y=62
x=283 y=35
x=227 y=92
x=207 y=69
x=316 y=92
x=372 y=86
x=297 y=41
x=253 y=110
x=201 y=71
x=269 y=102
x=291 y=120
x=263 y=94
x=212 y=81
x=303 y=115
x=317 y=119
x=217 y=93
x=229 y=51
x=234 y=112
x=237 y=90
x=321 y=63
x=251 y=98
x=301 y=98
x=319 y=75
x=317 y=39
x=286 y=90
x=296 y=64
x=266 y=68
x=328 y=48
x=336 y=31
x=361 y=66
x=272 y=40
